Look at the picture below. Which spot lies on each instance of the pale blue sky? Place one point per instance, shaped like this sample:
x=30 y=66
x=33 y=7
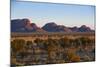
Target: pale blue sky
x=42 y=13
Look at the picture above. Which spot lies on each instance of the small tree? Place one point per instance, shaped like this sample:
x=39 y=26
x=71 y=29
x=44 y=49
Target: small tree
x=29 y=43
x=17 y=44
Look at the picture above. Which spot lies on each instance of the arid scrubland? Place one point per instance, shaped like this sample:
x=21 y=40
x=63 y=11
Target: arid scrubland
x=51 y=49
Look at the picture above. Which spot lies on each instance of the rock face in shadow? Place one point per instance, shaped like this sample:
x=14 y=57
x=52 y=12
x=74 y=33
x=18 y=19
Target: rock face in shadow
x=53 y=27
x=83 y=28
x=24 y=25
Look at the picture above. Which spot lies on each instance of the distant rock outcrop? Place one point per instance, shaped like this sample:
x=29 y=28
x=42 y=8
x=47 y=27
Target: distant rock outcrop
x=53 y=27
x=83 y=28
x=25 y=25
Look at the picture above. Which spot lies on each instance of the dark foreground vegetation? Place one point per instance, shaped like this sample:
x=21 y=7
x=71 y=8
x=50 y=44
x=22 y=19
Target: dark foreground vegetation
x=52 y=51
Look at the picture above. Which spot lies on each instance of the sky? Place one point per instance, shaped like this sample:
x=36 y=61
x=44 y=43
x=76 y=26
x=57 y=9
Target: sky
x=62 y=14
